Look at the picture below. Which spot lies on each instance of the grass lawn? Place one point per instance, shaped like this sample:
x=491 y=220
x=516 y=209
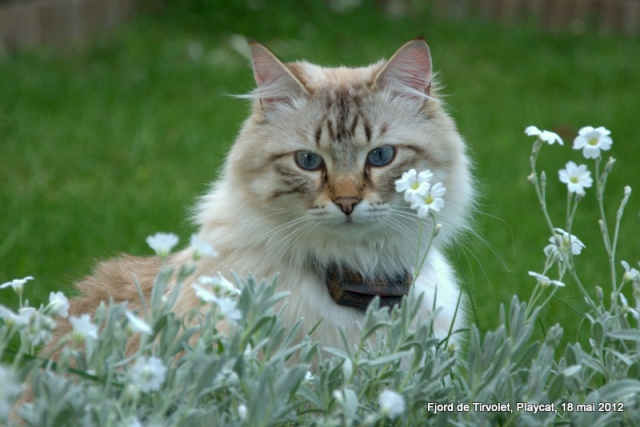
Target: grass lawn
x=105 y=145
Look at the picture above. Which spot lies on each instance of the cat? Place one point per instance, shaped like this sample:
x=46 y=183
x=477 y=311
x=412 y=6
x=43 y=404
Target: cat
x=308 y=188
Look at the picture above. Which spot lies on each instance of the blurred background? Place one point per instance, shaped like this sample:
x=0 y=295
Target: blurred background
x=115 y=116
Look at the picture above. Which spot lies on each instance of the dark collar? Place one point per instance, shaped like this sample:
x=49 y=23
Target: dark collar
x=350 y=289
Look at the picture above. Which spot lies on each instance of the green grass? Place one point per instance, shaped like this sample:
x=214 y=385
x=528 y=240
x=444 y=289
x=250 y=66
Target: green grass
x=107 y=144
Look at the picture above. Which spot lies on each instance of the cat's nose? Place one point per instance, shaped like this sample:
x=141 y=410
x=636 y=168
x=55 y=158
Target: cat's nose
x=346 y=203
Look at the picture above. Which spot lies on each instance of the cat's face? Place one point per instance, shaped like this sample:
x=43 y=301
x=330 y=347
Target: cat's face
x=325 y=146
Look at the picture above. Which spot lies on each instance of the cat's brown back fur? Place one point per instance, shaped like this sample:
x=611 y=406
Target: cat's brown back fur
x=113 y=280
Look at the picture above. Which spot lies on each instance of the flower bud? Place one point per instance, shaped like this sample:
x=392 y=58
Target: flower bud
x=625 y=198
x=452 y=348
x=599 y=294
x=554 y=336
x=609 y=166
x=603 y=228
x=242 y=411
x=131 y=392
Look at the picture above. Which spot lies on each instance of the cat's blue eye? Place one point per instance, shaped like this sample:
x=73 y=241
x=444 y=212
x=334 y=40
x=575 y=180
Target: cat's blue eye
x=308 y=161
x=381 y=156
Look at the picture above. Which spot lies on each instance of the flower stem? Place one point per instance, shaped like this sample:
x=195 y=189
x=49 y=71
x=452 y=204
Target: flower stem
x=539 y=184
x=434 y=233
x=601 y=181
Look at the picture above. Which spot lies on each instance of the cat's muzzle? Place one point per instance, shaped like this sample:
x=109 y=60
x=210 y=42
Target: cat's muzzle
x=350 y=289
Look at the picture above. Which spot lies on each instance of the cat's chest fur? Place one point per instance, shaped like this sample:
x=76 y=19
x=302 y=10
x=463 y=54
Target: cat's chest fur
x=309 y=300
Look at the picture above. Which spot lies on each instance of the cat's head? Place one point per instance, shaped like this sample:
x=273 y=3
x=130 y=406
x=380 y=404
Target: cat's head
x=324 y=146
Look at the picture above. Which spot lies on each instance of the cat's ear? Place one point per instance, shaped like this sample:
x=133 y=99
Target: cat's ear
x=276 y=83
x=408 y=72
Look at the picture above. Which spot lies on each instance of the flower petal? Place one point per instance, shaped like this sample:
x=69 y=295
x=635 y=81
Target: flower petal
x=532 y=131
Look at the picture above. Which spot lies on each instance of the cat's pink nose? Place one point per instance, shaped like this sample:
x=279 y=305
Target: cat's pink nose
x=346 y=204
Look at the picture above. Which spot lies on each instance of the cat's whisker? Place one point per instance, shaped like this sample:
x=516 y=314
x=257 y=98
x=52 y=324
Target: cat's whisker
x=408 y=233
x=474 y=234
x=266 y=236
x=410 y=215
x=282 y=247
x=261 y=239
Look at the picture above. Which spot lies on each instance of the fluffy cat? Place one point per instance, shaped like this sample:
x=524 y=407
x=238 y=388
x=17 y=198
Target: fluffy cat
x=309 y=184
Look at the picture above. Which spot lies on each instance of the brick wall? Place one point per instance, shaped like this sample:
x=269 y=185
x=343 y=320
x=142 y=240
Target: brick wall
x=58 y=23
x=602 y=16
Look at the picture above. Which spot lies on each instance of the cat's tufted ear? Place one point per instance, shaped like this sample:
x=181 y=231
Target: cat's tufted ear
x=408 y=72
x=276 y=83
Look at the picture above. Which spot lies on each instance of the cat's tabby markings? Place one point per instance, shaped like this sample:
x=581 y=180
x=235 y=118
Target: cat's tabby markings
x=309 y=185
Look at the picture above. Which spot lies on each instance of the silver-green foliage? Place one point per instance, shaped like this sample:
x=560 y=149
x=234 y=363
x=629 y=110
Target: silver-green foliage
x=262 y=374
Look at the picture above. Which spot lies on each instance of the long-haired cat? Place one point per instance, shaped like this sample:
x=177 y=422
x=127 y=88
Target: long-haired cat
x=308 y=189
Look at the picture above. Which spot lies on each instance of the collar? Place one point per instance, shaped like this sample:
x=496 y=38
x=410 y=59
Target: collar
x=350 y=289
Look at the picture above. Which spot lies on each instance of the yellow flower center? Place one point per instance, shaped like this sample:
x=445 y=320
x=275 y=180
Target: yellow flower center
x=574 y=179
x=428 y=200
x=593 y=141
x=415 y=185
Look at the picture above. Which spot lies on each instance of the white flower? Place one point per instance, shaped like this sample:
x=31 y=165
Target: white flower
x=205 y=295
x=242 y=411
x=591 y=141
x=34 y=325
x=309 y=377
x=576 y=177
x=391 y=404
x=220 y=285
x=202 y=248
x=147 y=374
x=83 y=328
x=248 y=350
x=16 y=284
x=429 y=198
x=162 y=243
x=58 y=304
x=136 y=324
x=545 y=281
x=411 y=182
x=630 y=274
x=544 y=135
x=229 y=309
x=8 y=315
x=626 y=309
x=9 y=390
x=25 y=314
x=227 y=378
x=567 y=242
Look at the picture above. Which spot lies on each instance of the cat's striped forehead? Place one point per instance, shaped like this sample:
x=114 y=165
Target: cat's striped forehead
x=341 y=97
x=345 y=119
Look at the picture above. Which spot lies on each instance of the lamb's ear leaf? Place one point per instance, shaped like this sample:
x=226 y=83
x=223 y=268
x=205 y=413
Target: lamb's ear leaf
x=276 y=83
x=408 y=72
